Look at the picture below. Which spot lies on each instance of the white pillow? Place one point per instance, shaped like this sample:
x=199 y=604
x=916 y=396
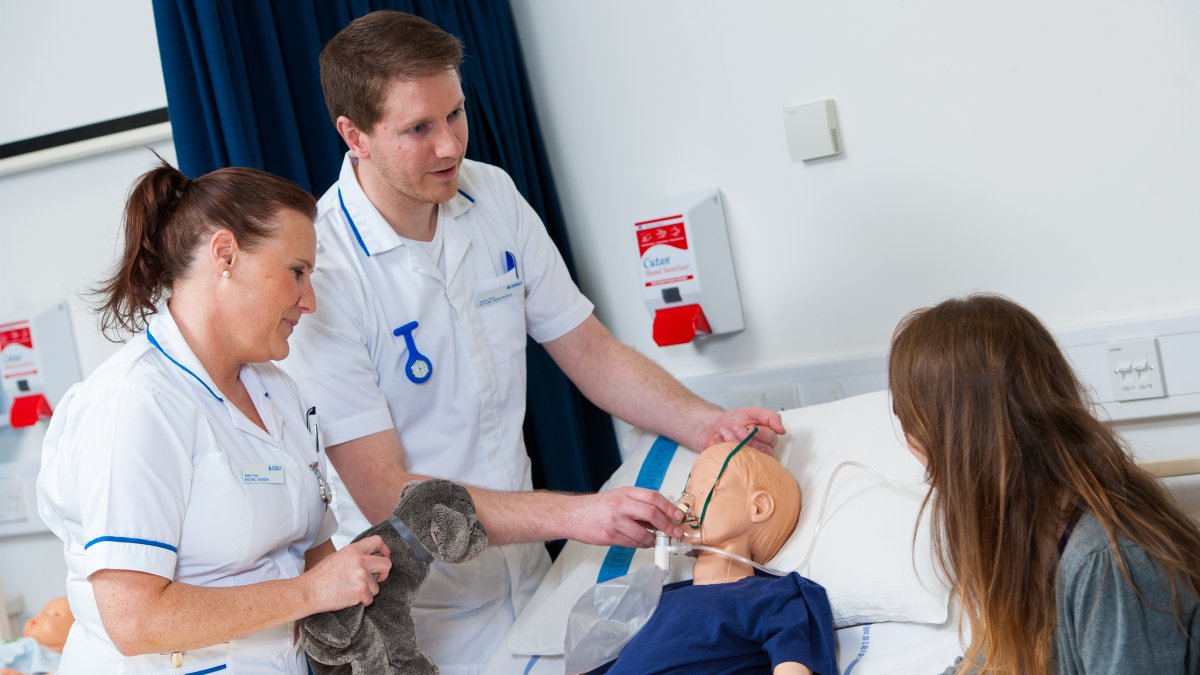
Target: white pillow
x=864 y=556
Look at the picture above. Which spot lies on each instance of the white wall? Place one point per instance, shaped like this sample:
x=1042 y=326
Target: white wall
x=1046 y=151
x=68 y=63
x=61 y=227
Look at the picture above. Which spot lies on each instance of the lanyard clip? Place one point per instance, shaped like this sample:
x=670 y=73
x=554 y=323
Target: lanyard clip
x=313 y=424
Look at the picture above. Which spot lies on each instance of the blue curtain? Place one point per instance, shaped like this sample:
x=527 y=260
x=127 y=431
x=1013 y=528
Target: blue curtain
x=243 y=89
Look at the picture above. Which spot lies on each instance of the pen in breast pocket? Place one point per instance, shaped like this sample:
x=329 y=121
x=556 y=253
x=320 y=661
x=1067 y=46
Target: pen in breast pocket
x=313 y=423
x=510 y=263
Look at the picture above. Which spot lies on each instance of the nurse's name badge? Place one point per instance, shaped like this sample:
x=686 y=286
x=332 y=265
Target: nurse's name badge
x=493 y=295
x=262 y=474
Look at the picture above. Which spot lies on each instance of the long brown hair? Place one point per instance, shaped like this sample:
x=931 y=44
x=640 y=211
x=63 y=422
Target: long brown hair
x=167 y=217
x=1013 y=451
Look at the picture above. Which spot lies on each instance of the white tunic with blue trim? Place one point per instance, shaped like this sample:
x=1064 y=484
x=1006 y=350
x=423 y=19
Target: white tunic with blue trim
x=460 y=413
x=146 y=467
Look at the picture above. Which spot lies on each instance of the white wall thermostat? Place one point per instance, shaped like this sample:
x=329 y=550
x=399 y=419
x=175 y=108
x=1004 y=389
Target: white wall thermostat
x=687 y=277
x=812 y=130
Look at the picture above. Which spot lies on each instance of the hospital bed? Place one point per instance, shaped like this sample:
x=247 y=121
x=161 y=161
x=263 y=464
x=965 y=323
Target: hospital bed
x=893 y=611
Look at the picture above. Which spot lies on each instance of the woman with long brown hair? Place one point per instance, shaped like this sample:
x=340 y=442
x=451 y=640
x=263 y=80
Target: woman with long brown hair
x=1066 y=556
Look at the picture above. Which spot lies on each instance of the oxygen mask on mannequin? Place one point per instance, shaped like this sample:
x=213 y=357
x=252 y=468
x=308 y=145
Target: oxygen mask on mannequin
x=692 y=524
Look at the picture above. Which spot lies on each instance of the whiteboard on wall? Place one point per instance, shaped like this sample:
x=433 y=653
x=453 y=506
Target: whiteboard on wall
x=77 y=71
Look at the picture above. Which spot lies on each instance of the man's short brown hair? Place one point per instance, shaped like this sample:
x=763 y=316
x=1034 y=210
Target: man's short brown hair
x=375 y=50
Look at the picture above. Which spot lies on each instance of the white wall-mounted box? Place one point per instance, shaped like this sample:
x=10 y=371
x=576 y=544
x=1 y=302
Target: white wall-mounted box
x=812 y=130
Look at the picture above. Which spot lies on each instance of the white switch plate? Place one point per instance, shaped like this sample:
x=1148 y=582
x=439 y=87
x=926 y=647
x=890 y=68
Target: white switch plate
x=1136 y=370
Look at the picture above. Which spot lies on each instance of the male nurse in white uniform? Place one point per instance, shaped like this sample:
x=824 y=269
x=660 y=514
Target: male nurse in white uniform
x=433 y=271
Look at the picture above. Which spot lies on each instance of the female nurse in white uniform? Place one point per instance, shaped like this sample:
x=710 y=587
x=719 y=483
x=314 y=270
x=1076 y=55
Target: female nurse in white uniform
x=185 y=476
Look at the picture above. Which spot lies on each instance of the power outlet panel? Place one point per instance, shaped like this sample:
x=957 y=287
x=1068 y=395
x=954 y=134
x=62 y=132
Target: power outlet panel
x=12 y=501
x=14 y=604
x=1136 y=370
x=776 y=397
x=18 y=499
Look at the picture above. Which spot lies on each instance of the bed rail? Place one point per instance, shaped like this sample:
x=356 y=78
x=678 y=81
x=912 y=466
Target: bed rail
x=1169 y=468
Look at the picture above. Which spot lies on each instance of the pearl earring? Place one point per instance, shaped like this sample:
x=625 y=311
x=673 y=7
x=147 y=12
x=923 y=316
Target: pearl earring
x=224 y=274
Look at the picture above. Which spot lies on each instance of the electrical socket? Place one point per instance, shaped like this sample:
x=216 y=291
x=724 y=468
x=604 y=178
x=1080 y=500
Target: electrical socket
x=1136 y=370
x=12 y=501
x=18 y=498
x=14 y=604
x=776 y=397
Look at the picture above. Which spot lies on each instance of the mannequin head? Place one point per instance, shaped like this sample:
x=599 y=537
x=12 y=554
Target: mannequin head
x=753 y=508
x=51 y=625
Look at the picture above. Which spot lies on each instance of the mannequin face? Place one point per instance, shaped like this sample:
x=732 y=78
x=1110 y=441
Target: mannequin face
x=753 y=509
x=728 y=514
x=50 y=627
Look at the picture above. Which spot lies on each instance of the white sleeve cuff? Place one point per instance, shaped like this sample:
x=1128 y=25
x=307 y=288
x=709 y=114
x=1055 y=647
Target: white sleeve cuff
x=125 y=553
x=565 y=322
x=350 y=428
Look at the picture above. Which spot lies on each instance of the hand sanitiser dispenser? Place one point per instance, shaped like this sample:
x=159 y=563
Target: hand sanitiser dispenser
x=38 y=363
x=687 y=275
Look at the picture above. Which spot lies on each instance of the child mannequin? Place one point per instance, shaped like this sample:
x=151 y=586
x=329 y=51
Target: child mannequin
x=39 y=649
x=727 y=619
